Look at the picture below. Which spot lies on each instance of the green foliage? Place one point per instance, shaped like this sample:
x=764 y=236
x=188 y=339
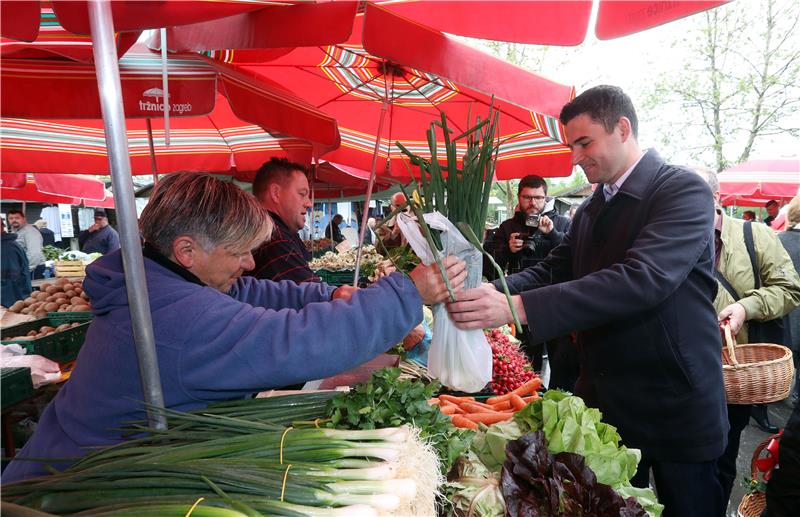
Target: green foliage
x=386 y=401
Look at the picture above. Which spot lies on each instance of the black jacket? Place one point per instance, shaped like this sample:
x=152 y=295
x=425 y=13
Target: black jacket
x=635 y=277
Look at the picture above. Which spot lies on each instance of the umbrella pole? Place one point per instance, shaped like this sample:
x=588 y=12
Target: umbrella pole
x=152 y=148
x=313 y=212
x=368 y=197
x=108 y=83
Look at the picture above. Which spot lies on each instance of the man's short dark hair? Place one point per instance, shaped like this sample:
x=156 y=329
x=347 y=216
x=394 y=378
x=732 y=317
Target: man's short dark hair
x=604 y=104
x=276 y=170
x=16 y=211
x=750 y=213
x=769 y=203
x=99 y=212
x=338 y=218
x=531 y=181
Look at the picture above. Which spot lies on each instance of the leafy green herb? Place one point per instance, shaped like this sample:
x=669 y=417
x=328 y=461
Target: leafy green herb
x=387 y=401
x=51 y=252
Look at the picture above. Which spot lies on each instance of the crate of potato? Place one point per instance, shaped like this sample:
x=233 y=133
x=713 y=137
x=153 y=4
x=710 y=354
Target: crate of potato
x=59 y=296
x=57 y=339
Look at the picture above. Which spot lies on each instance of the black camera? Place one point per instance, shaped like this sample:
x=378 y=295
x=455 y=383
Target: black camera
x=532 y=220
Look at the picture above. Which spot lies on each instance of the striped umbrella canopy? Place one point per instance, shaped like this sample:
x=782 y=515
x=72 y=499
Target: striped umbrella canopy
x=350 y=81
x=755 y=182
x=55 y=188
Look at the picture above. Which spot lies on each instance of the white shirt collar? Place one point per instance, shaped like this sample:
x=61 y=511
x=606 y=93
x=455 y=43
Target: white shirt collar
x=609 y=190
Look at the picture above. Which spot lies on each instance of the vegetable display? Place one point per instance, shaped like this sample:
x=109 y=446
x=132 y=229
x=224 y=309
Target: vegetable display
x=536 y=482
x=44 y=330
x=387 y=401
x=333 y=261
x=510 y=368
x=61 y=296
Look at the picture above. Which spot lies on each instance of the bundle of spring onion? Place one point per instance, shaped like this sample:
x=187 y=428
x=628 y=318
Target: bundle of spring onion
x=245 y=465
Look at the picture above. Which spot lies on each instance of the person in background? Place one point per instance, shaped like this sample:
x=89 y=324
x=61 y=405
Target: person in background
x=282 y=189
x=48 y=236
x=219 y=336
x=741 y=299
x=15 y=275
x=332 y=231
x=790 y=238
x=748 y=215
x=773 y=208
x=634 y=277
x=30 y=239
x=783 y=489
x=523 y=241
x=99 y=237
x=389 y=234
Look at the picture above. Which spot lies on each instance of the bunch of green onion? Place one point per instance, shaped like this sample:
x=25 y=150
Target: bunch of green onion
x=233 y=465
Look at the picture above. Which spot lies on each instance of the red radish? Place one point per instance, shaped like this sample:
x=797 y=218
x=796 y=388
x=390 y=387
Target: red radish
x=510 y=368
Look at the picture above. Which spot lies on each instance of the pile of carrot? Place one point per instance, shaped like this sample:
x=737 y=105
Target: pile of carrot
x=466 y=412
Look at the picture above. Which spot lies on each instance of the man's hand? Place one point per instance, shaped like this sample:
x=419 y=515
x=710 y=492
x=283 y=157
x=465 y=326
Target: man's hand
x=515 y=243
x=344 y=292
x=735 y=314
x=430 y=284
x=545 y=224
x=94 y=228
x=414 y=337
x=483 y=307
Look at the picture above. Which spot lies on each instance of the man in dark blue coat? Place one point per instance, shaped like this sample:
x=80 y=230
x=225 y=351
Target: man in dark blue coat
x=634 y=277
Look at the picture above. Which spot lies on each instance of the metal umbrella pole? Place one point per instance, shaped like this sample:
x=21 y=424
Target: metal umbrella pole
x=372 y=174
x=108 y=83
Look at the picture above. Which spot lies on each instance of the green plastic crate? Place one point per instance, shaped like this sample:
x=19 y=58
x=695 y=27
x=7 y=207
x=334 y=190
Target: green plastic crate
x=337 y=278
x=60 y=346
x=16 y=385
x=69 y=317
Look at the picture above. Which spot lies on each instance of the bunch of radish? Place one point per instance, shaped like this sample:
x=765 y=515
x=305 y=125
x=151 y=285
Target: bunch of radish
x=510 y=368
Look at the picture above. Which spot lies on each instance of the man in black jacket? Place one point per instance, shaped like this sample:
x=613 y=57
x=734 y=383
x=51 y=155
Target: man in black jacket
x=634 y=276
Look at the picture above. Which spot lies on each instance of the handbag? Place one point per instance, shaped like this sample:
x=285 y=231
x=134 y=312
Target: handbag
x=770 y=331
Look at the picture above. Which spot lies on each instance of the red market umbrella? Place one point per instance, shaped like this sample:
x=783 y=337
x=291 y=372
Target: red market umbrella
x=334 y=181
x=546 y=22
x=21 y=18
x=55 y=188
x=349 y=82
x=755 y=182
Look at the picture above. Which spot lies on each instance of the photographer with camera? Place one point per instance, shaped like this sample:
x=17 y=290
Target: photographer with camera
x=522 y=242
x=528 y=237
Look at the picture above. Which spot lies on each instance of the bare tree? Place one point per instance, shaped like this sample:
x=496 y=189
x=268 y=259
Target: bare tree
x=739 y=84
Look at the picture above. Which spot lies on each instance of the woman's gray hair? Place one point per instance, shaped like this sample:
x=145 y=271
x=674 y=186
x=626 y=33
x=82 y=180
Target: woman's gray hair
x=213 y=212
x=708 y=175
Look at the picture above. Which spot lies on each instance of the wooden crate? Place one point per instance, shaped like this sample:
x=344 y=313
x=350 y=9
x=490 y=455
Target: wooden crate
x=70 y=268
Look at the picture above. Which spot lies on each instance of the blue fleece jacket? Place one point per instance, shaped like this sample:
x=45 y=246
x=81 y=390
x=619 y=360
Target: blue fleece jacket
x=211 y=346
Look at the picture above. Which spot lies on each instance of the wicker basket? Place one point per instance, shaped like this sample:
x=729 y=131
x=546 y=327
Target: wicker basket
x=753 y=504
x=756 y=373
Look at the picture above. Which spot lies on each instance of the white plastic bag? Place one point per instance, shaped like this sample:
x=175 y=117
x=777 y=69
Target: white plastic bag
x=460 y=359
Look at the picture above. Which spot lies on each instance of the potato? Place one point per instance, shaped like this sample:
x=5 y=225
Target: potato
x=31 y=333
x=71 y=293
x=26 y=310
x=51 y=290
x=46 y=328
x=40 y=296
x=51 y=306
x=44 y=286
x=41 y=313
x=29 y=301
x=18 y=306
x=78 y=290
x=61 y=281
x=76 y=300
x=81 y=308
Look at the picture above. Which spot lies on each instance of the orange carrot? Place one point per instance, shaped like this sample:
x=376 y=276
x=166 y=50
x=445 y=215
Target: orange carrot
x=477 y=407
x=460 y=421
x=516 y=402
x=489 y=418
x=455 y=400
x=449 y=409
x=434 y=401
x=529 y=387
x=503 y=404
x=494 y=400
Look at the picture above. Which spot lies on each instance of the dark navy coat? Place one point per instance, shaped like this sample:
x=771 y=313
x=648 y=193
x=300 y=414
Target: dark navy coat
x=635 y=277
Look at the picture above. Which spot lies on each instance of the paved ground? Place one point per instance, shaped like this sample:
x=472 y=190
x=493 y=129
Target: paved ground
x=779 y=413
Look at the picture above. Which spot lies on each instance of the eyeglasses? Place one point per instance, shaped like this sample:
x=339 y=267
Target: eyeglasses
x=534 y=198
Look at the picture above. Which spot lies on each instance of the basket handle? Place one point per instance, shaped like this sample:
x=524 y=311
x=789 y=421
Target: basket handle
x=729 y=342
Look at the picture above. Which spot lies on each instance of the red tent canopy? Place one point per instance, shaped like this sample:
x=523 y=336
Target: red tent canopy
x=55 y=188
x=755 y=182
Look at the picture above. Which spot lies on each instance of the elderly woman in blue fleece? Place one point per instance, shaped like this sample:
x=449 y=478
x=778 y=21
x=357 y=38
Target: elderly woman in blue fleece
x=219 y=336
